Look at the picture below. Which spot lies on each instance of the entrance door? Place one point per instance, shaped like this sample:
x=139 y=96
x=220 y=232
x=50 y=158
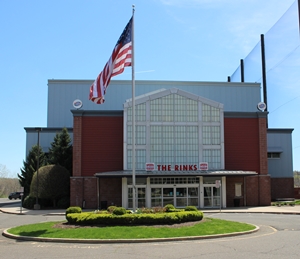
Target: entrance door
x=178 y=196
x=140 y=195
x=211 y=196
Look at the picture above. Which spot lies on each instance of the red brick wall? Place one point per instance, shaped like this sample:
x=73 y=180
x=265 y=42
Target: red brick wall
x=102 y=144
x=84 y=192
x=282 y=188
x=263 y=147
x=258 y=191
x=76 y=191
x=230 y=190
x=77 y=130
x=111 y=190
x=97 y=147
x=264 y=189
x=252 y=196
x=90 y=192
x=241 y=136
x=297 y=193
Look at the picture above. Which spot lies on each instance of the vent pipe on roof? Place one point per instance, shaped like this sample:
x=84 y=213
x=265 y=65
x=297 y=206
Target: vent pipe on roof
x=264 y=73
x=242 y=71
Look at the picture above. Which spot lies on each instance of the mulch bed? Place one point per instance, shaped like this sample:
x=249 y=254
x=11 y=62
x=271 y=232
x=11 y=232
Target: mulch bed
x=185 y=224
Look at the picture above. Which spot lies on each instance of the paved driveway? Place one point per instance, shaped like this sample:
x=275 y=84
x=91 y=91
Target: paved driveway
x=278 y=237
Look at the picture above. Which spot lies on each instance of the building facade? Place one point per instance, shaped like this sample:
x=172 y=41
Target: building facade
x=197 y=143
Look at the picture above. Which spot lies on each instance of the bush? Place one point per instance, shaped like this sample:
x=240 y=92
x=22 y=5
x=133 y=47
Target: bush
x=159 y=210
x=110 y=209
x=29 y=202
x=74 y=209
x=45 y=203
x=119 y=211
x=190 y=208
x=169 y=207
x=54 y=183
x=90 y=218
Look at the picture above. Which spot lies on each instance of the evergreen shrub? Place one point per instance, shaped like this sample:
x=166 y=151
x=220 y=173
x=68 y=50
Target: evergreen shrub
x=119 y=211
x=191 y=208
x=91 y=218
x=74 y=209
x=110 y=209
x=29 y=202
x=169 y=207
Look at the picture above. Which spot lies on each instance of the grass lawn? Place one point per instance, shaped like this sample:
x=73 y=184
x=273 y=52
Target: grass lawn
x=208 y=226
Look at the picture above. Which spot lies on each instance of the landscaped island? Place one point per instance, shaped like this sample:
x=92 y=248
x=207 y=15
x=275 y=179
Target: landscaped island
x=119 y=216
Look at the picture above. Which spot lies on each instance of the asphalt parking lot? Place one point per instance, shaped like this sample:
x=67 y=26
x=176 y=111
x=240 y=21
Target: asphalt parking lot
x=278 y=237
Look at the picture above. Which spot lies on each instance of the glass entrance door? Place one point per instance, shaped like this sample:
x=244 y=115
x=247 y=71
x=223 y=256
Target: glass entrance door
x=178 y=196
x=211 y=196
x=181 y=197
x=140 y=195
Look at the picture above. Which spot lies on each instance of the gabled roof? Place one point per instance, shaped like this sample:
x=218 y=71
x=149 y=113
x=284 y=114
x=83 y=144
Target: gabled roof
x=165 y=92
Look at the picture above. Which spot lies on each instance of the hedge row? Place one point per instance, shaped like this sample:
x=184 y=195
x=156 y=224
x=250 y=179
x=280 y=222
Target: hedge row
x=91 y=218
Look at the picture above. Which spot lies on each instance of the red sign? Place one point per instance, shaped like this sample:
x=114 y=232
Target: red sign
x=150 y=166
x=203 y=166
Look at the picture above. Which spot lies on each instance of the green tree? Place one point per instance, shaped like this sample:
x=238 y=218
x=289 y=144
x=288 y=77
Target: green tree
x=30 y=166
x=61 y=151
x=54 y=183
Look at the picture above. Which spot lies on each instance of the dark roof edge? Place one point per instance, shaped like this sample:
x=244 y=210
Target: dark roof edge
x=47 y=129
x=120 y=113
x=166 y=82
x=280 y=130
x=245 y=114
x=80 y=113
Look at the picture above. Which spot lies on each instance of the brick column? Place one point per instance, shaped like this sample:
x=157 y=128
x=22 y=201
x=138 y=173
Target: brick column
x=76 y=191
x=263 y=150
x=76 y=181
x=264 y=190
x=264 y=180
x=77 y=143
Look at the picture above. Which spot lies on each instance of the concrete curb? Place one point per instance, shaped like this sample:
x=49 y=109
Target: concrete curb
x=41 y=214
x=109 y=241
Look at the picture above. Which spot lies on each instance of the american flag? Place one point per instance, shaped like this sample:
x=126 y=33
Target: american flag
x=120 y=58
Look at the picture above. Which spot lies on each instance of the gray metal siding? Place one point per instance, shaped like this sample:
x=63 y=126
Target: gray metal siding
x=236 y=97
x=46 y=138
x=280 y=141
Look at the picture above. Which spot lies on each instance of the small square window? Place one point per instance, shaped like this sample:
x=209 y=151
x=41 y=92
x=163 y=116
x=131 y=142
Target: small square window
x=238 y=190
x=274 y=155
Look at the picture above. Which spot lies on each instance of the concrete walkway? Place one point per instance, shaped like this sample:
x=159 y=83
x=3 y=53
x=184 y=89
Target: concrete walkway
x=263 y=209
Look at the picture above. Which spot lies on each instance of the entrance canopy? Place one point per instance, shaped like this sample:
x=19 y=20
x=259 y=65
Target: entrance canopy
x=143 y=173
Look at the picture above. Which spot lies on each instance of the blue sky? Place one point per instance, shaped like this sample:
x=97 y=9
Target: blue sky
x=193 y=40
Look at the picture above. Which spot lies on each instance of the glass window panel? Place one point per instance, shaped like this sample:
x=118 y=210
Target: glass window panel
x=213 y=157
x=210 y=113
x=211 y=135
x=193 y=202
x=181 y=202
x=172 y=144
x=140 y=112
x=193 y=192
x=173 y=108
x=140 y=135
x=140 y=159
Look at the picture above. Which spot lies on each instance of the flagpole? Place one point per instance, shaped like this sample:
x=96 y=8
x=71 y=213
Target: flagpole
x=133 y=115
